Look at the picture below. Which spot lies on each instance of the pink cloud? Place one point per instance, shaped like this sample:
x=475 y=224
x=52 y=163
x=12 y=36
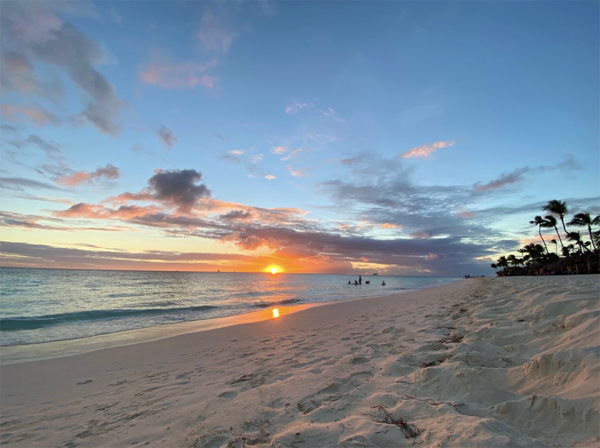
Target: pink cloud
x=420 y=234
x=270 y=177
x=84 y=177
x=425 y=150
x=279 y=149
x=387 y=225
x=179 y=76
x=294 y=153
x=38 y=115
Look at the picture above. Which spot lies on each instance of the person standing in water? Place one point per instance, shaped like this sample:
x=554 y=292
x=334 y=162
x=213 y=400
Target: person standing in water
x=359 y=280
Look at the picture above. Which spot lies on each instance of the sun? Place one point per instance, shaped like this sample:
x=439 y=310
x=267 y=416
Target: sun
x=273 y=269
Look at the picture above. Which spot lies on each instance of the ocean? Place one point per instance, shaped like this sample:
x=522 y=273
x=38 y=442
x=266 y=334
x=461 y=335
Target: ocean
x=44 y=305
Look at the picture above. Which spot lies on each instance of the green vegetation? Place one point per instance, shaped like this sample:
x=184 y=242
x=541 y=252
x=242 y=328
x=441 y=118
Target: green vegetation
x=579 y=257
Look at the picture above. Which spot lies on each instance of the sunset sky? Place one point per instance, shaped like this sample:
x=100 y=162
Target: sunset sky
x=413 y=138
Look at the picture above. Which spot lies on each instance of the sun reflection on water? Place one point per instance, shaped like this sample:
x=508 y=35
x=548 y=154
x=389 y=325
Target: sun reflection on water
x=275 y=313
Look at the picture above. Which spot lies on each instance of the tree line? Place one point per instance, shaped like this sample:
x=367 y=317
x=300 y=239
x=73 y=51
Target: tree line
x=576 y=249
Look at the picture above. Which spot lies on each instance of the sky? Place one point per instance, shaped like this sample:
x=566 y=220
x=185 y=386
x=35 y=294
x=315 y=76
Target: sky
x=406 y=138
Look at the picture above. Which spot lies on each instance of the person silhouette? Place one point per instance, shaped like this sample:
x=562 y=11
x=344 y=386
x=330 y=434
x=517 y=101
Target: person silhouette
x=383 y=283
x=359 y=280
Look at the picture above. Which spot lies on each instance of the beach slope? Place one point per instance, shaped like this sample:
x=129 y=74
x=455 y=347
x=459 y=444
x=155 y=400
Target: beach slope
x=482 y=362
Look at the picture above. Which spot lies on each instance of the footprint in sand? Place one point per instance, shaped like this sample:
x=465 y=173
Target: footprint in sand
x=84 y=382
x=228 y=394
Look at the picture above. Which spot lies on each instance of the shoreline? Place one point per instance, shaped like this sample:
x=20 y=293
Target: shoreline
x=481 y=362
x=12 y=354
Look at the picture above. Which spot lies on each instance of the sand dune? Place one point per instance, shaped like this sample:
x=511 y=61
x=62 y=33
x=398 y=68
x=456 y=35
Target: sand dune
x=483 y=362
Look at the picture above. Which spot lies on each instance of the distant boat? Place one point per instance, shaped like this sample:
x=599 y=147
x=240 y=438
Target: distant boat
x=376 y=273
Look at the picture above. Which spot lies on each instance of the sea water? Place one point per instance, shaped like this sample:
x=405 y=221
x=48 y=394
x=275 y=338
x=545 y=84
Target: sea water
x=43 y=305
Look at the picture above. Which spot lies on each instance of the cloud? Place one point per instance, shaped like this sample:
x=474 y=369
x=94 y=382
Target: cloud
x=294 y=153
x=51 y=149
x=237 y=152
x=83 y=177
x=35 y=31
x=221 y=137
x=296 y=106
x=518 y=175
x=237 y=215
x=38 y=115
x=465 y=214
x=425 y=150
x=387 y=225
x=212 y=35
x=270 y=177
x=19 y=183
x=24 y=254
x=179 y=189
x=420 y=234
x=178 y=76
x=76 y=54
x=167 y=136
x=502 y=180
x=279 y=149
x=139 y=149
x=230 y=158
x=301 y=172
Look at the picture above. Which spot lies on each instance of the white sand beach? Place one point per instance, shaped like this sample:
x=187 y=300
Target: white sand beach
x=485 y=362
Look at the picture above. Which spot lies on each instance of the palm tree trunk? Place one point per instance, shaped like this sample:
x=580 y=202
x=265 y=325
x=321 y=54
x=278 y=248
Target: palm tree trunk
x=563 y=223
x=540 y=232
x=559 y=238
x=591 y=237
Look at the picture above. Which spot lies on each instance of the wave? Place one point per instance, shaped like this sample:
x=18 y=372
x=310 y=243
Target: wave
x=34 y=322
x=281 y=302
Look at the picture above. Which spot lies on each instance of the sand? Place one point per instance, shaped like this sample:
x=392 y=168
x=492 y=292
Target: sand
x=485 y=362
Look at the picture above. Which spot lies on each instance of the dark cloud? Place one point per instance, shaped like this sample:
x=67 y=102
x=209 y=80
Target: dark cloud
x=178 y=187
x=167 y=136
x=236 y=215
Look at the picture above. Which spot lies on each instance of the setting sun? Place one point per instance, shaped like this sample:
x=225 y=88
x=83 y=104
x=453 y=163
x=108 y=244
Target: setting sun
x=273 y=270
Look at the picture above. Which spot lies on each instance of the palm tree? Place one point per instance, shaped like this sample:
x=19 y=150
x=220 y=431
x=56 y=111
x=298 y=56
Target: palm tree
x=576 y=237
x=550 y=222
x=582 y=220
x=494 y=266
x=538 y=221
x=558 y=208
x=553 y=241
x=502 y=262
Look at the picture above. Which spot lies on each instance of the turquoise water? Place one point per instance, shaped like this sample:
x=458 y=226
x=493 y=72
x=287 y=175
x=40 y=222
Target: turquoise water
x=43 y=305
